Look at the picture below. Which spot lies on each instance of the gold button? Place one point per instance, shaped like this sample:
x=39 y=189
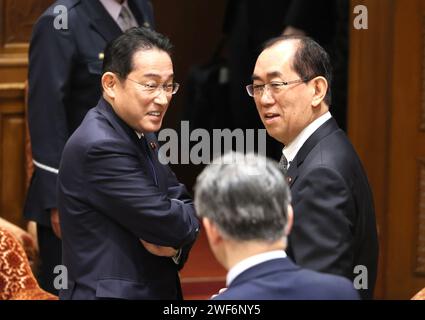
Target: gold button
x=147 y=25
x=101 y=55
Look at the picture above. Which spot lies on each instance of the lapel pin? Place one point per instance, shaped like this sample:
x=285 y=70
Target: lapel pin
x=153 y=145
x=101 y=55
x=289 y=179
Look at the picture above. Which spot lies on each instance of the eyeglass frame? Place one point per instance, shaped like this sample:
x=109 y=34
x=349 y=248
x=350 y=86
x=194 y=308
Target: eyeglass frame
x=250 y=88
x=153 y=88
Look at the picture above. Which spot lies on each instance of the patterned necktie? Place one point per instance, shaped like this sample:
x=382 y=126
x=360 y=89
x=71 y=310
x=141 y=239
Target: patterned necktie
x=124 y=19
x=283 y=164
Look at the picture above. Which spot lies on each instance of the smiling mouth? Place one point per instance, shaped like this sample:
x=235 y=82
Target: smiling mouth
x=154 y=113
x=270 y=116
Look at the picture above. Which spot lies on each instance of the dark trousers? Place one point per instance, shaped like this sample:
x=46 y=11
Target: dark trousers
x=50 y=256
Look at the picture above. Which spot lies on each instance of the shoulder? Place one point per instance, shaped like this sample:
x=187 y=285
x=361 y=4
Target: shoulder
x=67 y=8
x=326 y=286
x=333 y=151
x=59 y=7
x=331 y=159
x=94 y=132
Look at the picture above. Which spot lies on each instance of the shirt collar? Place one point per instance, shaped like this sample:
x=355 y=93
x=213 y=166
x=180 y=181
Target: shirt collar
x=248 y=263
x=139 y=135
x=113 y=7
x=291 y=150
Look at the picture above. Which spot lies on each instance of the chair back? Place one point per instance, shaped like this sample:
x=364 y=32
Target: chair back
x=17 y=281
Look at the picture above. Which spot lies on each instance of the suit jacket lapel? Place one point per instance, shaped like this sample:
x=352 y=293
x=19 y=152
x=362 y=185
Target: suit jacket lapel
x=128 y=134
x=100 y=20
x=324 y=130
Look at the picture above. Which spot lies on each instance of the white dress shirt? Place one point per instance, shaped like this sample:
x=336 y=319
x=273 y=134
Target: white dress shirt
x=248 y=263
x=291 y=150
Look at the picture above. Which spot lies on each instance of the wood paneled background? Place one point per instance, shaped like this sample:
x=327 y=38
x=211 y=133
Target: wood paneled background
x=386 y=119
x=386 y=112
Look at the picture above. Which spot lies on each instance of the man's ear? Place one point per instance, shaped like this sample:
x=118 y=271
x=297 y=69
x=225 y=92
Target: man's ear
x=290 y=220
x=320 y=86
x=213 y=234
x=109 y=82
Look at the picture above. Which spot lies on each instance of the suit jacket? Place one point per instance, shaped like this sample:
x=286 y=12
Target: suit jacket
x=112 y=192
x=65 y=68
x=281 y=279
x=334 y=219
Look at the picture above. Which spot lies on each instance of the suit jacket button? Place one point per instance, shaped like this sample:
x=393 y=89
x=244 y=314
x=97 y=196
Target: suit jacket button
x=146 y=25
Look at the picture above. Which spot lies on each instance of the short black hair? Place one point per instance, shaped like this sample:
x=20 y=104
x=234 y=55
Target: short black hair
x=118 y=57
x=309 y=61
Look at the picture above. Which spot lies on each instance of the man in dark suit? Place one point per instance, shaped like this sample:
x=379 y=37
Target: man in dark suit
x=127 y=223
x=249 y=23
x=334 y=226
x=244 y=203
x=65 y=64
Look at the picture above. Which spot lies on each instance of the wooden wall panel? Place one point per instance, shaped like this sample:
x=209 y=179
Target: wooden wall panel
x=369 y=107
x=12 y=176
x=419 y=267
x=386 y=125
x=407 y=147
x=18 y=17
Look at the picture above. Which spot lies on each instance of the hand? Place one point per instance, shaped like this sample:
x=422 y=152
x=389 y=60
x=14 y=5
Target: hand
x=159 y=250
x=54 y=220
x=219 y=291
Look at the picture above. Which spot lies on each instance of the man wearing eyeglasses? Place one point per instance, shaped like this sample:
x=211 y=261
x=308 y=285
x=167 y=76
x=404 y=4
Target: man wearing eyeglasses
x=127 y=223
x=65 y=65
x=334 y=220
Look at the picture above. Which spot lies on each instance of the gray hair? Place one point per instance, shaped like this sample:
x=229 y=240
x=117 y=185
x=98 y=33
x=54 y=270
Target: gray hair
x=246 y=196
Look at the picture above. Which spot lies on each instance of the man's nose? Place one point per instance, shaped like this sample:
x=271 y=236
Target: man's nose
x=266 y=97
x=161 y=97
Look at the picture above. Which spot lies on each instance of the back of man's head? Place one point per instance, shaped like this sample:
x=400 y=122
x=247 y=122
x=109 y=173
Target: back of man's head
x=119 y=53
x=245 y=196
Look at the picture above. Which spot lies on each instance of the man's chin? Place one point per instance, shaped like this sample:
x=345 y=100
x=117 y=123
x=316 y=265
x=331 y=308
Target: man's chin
x=152 y=128
x=275 y=134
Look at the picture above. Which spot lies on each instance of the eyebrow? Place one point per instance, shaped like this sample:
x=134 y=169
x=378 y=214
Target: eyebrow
x=269 y=75
x=155 y=75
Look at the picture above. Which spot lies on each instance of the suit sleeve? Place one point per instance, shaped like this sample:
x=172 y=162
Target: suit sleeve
x=179 y=192
x=50 y=64
x=118 y=185
x=322 y=233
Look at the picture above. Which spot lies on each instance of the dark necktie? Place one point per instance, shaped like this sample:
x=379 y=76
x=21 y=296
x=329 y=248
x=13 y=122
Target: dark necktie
x=144 y=144
x=283 y=164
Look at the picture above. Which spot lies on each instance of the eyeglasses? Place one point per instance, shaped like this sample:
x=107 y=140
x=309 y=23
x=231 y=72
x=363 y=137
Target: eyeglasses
x=169 y=88
x=257 y=90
